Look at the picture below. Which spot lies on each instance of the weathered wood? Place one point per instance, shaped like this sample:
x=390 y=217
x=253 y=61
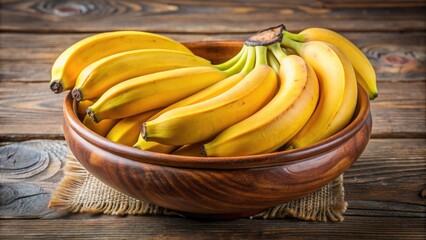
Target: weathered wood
x=31 y=111
x=19 y=46
x=386 y=180
x=217 y=16
x=395 y=56
x=354 y=227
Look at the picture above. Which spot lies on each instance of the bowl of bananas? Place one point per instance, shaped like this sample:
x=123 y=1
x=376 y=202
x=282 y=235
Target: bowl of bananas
x=216 y=128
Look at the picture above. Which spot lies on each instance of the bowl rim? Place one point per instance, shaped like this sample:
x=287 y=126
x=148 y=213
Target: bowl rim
x=238 y=162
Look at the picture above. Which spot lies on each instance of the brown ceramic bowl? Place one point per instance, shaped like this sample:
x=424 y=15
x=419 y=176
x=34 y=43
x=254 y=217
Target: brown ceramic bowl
x=226 y=187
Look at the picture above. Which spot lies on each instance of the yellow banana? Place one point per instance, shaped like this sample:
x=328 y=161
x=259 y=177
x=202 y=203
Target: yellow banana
x=277 y=122
x=102 y=128
x=331 y=76
x=192 y=150
x=81 y=54
x=127 y=130
x=360 y=62
x=204 y=94
x=83 y=105
x=152 y=91
x=101 y=75
x=204 y=120
x=151 y=146
x=348 y=105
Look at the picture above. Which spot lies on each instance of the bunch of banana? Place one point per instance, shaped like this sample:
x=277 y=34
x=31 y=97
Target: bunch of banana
x=73 y=60
x=281 y=90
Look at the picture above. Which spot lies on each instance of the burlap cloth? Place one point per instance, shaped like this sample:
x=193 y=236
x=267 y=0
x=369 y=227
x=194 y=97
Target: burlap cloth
x=79 y=191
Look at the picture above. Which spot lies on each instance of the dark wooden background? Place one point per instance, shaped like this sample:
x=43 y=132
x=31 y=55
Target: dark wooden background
x=385 y=189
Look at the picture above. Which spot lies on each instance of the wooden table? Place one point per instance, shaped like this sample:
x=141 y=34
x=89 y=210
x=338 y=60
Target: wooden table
x=385 y=189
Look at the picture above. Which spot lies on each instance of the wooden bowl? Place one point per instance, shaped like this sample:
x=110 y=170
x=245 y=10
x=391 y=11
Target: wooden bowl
x=225 y=187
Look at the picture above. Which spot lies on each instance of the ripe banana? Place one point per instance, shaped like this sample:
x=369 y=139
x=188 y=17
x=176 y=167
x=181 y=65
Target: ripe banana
x=360 y=62
x=102 y=128
x=83 y=105
x=331 y=76
x=348 y=105
x=204 y=94
x=101 y=75
x=127 y=130
x=81 y=54
x=277 y=122
x=204 y=120
x=192 y=150
x=152 y=91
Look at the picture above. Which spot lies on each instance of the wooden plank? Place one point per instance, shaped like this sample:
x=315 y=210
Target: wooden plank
x=179 y=228
x=385 y=181
x=399 y=111
x=217 y=16
x=29 y=57
x=18 y=46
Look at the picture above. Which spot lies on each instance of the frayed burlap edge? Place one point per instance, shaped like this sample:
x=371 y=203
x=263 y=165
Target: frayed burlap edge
x=79 y=191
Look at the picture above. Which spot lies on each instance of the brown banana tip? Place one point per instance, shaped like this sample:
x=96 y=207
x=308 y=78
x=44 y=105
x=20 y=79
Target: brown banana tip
x=374 y=96
x=143 y=131
x=91 y=114
x=76 y=94
x=56 y=86
x=203 y=151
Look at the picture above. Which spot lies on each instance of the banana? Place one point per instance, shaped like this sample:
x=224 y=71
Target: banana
x=348 y=105
x=81 y=54
x=83 y=105
x=331 y=76
x=360 y=62
x=204 y=94
x=192 y=150
x=127 y=130
x=101 y=75
x=152 y=91
x=102 y=128
x=278 y=121
x=202 y=121
x=151 y=146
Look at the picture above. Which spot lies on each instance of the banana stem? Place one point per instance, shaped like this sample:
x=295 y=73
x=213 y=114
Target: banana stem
x=261 y=55
x=236 y=68
x=251 y=56
x=272 y=61
x=294 y=36
x=277 y=51
x=232 y=61
x=291 y=43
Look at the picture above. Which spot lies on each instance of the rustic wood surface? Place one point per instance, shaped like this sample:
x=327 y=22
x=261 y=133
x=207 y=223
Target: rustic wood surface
x=385 y=189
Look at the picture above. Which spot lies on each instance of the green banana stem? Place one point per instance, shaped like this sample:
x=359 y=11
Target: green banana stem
x=272 y=61
x=277 y=51
x=294 y=36
x=238 y=66
x=292 y=44
x=261 y=55
x=251 y=57
x=231 y=62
